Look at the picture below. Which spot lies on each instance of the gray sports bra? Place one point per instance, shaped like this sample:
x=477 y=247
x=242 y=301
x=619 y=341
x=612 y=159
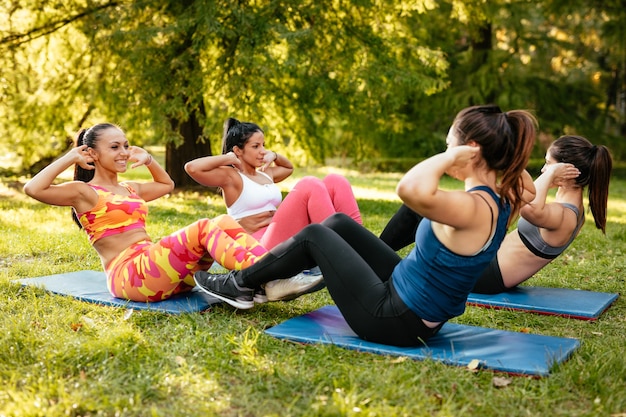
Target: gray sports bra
x=530 y=236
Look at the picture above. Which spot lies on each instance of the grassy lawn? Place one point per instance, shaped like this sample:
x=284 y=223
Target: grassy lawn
x=61 y=357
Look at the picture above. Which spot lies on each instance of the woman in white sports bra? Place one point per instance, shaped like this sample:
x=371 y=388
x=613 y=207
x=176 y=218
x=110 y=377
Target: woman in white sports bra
x=247 y=174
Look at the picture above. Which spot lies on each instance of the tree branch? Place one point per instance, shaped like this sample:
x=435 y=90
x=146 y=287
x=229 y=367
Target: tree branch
x=18 y=39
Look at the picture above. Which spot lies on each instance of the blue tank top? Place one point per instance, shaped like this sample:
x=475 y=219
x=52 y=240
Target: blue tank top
x=433 y=281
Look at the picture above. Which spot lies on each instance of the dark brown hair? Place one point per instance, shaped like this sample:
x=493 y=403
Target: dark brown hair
x=90 y=138
x=237 y=133
x=506 y=141
x=594 y=163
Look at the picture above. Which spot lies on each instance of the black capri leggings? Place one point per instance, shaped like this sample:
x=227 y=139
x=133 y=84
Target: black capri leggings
x=357 y=267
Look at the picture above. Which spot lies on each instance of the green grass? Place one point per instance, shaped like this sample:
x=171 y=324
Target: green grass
x=62 y=357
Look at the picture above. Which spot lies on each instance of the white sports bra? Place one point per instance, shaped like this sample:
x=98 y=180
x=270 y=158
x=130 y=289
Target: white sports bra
x=255 y=198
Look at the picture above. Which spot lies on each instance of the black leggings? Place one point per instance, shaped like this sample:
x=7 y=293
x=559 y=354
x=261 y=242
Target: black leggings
x=400 y=232
x=490 y=281
x=357 y=267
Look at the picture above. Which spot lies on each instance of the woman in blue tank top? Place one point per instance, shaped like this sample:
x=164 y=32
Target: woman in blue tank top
x=545 y=230
x=403 y=302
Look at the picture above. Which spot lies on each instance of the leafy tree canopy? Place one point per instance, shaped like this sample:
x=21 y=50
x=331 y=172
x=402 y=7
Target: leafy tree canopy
x=324 y=78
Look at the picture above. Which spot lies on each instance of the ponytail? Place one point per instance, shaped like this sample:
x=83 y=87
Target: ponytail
x=80 y=173
x=595 y=164
x=601 y=166
x=237 y=133
x=227 y=145
x=524 y=128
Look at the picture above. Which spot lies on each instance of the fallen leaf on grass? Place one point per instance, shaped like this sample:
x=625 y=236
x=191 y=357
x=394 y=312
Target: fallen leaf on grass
x=88 y=321
x=474 y=365
x=500 y=382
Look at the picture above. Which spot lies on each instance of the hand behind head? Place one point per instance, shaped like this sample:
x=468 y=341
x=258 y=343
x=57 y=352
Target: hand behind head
x=564 y=174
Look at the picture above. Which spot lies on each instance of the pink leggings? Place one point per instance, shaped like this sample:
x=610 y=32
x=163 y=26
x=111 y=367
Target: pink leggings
x=310 y=201
x=148 y=271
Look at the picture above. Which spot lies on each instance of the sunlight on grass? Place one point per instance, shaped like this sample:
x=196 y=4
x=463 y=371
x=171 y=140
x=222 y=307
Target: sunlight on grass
x=60 y=356
x=617 y=210
x=197 y=389
x=380 y=187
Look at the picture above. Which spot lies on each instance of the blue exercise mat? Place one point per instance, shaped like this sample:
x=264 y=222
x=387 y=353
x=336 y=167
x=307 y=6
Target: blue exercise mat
x=91 y=286
x=565 y=302
x=455 y=344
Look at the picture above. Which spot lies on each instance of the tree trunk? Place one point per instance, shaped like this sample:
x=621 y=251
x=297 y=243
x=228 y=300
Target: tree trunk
x=194 y=146
x=482 y=47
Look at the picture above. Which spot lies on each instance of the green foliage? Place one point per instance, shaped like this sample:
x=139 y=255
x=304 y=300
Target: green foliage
x=552 y=64
x=328 y=78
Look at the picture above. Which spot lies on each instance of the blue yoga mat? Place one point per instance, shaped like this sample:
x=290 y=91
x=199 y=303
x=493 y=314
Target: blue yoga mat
x=565 y=302
x=91 y=286
x=455 y=344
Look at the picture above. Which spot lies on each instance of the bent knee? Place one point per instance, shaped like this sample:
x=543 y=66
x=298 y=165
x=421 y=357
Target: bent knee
x=310 y=183
x=336 y=180
x=335 y=219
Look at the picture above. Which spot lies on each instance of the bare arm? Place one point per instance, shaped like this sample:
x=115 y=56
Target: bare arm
x=282 y=166
x=162 y=182
x=41 y=186
x=209 y=170
x=529 y=191
x=419 y=188
x=538 y=211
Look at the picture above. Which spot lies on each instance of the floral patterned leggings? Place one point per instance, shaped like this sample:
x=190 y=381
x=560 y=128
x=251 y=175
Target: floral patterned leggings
x=148 y=271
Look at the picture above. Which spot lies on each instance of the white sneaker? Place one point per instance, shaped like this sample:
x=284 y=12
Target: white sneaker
x=259 y=296
x=294 y=287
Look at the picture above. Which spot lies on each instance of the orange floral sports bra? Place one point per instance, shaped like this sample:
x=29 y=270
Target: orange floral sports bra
x=113 y=214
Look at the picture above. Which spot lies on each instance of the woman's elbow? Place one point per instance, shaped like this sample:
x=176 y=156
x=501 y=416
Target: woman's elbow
x=171 y=185
x=406 y=191
x=530 y=213
x=190 y=168
x=30 y=190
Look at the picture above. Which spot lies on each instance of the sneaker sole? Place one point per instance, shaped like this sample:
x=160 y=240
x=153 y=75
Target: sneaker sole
x=243 y=305
x=289 y=297
x=260 y=299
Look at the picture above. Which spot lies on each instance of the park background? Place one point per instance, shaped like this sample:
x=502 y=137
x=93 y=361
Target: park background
x=364 y=88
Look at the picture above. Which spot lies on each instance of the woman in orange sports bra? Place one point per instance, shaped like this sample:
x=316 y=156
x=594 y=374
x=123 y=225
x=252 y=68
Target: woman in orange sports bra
x=113 y=215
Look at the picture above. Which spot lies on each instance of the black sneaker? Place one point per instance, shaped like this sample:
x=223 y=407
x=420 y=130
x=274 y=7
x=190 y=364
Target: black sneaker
x=224 y=287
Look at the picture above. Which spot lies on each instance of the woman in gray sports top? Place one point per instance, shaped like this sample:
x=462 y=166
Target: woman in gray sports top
x=553 y=226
